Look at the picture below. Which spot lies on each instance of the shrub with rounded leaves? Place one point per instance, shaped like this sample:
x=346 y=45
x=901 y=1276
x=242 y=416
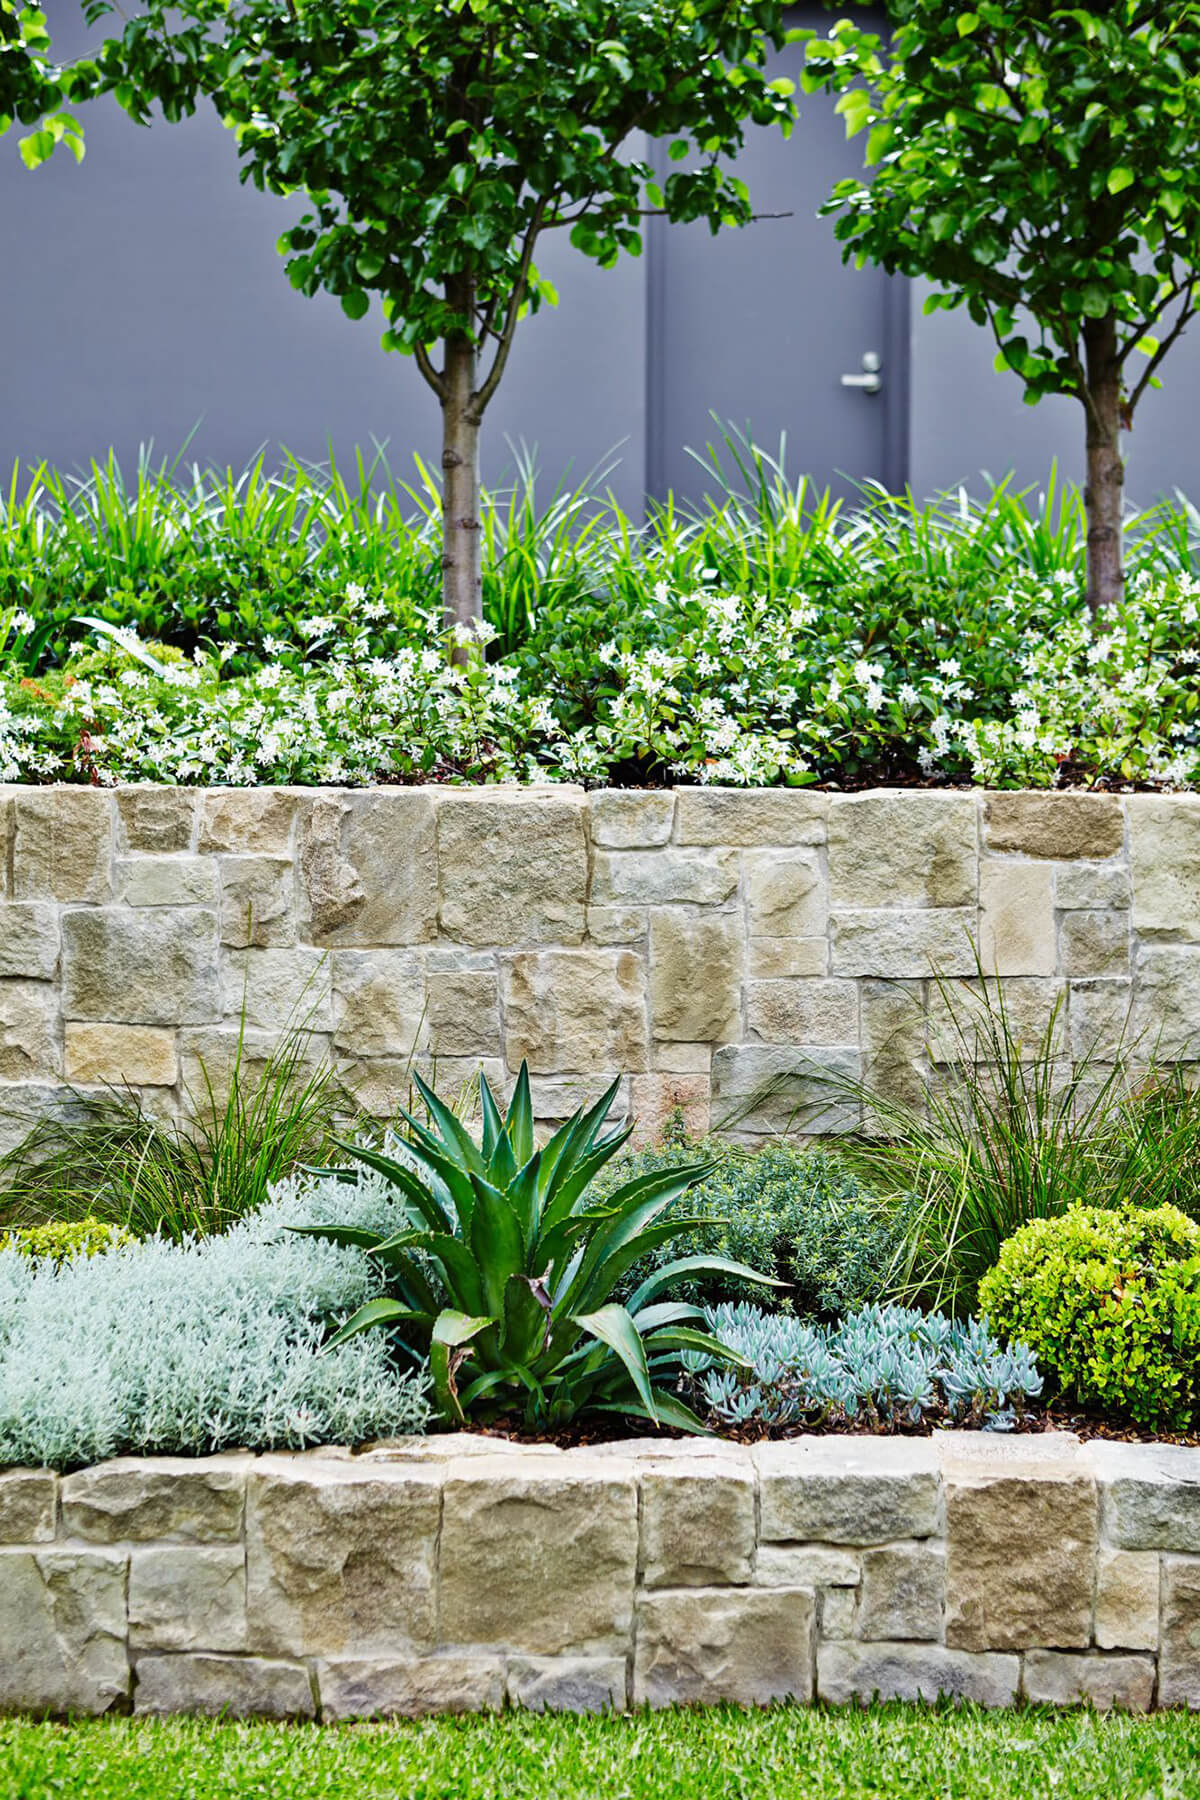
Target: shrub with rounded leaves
x=61 y=1239
x=1109 y=1302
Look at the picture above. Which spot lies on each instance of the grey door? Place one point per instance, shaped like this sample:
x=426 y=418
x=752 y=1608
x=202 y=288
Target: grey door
x=759 y=326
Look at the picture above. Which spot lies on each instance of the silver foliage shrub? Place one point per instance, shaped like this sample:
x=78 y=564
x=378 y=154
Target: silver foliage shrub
x=195 y=1347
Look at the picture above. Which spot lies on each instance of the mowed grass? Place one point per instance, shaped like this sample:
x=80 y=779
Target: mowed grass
x=906 y=1752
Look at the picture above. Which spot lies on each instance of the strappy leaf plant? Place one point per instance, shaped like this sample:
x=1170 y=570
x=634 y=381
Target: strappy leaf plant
x=507 y=1272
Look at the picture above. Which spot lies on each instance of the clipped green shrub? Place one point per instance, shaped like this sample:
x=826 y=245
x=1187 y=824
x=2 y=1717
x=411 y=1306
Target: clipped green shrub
x=63 y=1239
x=794 y=1213
x=1109 y=1302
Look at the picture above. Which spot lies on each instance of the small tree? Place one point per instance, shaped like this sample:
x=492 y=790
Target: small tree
x=1037 y=161
x=438 y=140
x=31 y=88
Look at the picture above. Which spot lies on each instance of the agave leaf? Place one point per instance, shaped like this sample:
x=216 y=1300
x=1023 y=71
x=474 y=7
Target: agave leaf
x=613 y=1326
x=350 y=1237
x=455 y=1179
x=383 y=1311
x=452 y=1331
x=697 y=1265
x=526 y=1320
x=576 y=1139
x=681 y=1337
x=518 y=1126
x=523 y=1197
x=573 y=1176
x=493 y=1119
x=497 y=1243
x=666 y=1312
x=455 y=1135
x=401 y=1177
x=458 y=1266
x=668 y=1410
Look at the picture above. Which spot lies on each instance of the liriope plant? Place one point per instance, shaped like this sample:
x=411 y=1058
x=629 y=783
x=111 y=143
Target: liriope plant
x=506 y=1274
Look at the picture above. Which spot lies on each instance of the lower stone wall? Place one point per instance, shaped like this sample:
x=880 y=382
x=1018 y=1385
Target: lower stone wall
x=701 y=944
x=457 y=1573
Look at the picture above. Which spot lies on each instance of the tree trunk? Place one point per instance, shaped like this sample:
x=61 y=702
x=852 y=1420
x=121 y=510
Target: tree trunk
x=1104 y=494
x=462 y=586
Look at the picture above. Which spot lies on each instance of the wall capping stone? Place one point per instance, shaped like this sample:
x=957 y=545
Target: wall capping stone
x=451 y=1573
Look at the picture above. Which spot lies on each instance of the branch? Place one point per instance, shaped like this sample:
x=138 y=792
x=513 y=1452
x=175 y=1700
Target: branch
x=1187 y=311
x=480 y=399
x=428 y=371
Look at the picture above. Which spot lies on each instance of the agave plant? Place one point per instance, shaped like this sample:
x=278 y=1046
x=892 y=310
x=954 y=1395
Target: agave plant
x=507 y=1268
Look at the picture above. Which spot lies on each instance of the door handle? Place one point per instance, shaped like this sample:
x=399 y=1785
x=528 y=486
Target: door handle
x=870 y=381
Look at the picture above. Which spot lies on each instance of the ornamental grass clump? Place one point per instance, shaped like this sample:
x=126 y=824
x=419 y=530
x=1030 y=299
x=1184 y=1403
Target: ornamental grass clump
x=505 y=1270
x=884 y=1367
x=1110 y=1303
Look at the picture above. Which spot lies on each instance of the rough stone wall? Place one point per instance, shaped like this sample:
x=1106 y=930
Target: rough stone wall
x=697 y=943
x=454 y=1573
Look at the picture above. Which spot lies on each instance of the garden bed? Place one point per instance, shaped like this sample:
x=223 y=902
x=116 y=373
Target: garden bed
x=453 y=1573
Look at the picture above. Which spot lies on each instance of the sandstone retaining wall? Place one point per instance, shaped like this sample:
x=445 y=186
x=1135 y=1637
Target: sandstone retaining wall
x=457 y=1573
x=698 y=943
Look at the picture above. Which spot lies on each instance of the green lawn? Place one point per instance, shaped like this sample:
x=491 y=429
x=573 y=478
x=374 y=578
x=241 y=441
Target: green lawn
x=904 y=1752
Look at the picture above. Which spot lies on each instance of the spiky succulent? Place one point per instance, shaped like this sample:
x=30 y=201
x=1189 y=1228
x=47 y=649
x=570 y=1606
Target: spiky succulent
x=507 y=1271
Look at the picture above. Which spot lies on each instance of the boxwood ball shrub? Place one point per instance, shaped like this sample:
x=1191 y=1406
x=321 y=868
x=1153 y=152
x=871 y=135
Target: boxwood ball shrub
x=1110 y=1304
x=795 y=1213
x=188 y=1348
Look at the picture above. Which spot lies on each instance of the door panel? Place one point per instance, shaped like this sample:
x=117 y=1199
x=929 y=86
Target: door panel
x=759 y=325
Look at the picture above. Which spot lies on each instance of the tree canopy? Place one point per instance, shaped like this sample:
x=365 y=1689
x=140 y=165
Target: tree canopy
x=32 y=89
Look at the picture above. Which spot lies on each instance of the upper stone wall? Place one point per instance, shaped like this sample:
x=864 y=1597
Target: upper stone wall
x=697 y=942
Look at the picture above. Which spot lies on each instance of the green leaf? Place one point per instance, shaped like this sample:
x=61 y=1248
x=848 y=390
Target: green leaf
x=686 y=1266
x=1120 y=178
x=451 y=1332
x=613 y=1326
x=383 y=1311
x=497 y=1243
x=355 y=303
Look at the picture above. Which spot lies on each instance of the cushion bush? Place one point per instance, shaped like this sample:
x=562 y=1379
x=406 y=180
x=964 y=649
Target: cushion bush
x=160 y=1347
x=1109 y=1302
x=795 y=1213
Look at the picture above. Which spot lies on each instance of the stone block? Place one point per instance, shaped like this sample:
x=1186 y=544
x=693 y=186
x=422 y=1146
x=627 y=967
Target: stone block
x=27 y=1506
x=1057 y=1678
x=768 y=1088
x=513 y=870
x=786 y=895
x=167 y=881
x=864 y=1672
x=247 y=821
x=745 y=1647
x=116 y=1055
x=275 y=989
x=1056 y=826
x=29 y=1048
x=754 y=816
x=893 y=945
x=1164 y=855
x=1165 y=1019
x=358 y=1687
x=902 y=1593
x=1094 y=943
x=892 y=1034
x=903 y=849
x=803 y=1012
x=62 y=845
x=627 y=819
x=1016 y=918
x=557 y=1097
x=1100 y=1014
x=781 y=959
x=367 y=867
x=675 y=1057
x=538 y=1558
x=657 y=1099
x=157 y=820
x=574 y=1010
x=1092 y=887
x=1127 y=1583
x=695 y=974
x=617 y=924
x=256 y=901
x=28 y=942
x=663 y=877
x=62 y=1631
x=807 y=1566
x=141 y=967
x=847 y=1491
x=187 y=1598
x=379 y=1002
x=177 y=1499
x=341 y=1558
x=1150 y=1495
x=238 y=1687
x=697 y=1522
x=1021 y=1534
x=1179 y=1656
x=567 y=1684
x=837 y=1610
x=463 y=1016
